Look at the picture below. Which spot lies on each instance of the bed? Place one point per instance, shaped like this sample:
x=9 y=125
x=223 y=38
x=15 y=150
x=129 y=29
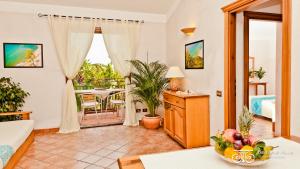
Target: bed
x=263 y=105
x=15 y=138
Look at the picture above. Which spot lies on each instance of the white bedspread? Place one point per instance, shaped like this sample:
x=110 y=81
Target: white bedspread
x=287 y=156
x=14 y=133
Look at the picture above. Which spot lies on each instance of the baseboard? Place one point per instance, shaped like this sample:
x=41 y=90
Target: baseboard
x=46 y=131
x=295 y=138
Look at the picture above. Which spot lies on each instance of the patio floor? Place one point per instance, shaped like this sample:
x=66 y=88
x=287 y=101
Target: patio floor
x=104 y=119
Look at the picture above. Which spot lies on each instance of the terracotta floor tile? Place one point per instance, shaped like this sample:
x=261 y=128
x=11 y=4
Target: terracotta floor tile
x=33 y=164
x=104 y=152
x=113 y=166
x=78 y=165
x=101 y=146
x=56 y=159
x=91 y=159
x=114 y=146
x=74 y=154
x=115 y=155
x=94 y=167
x=105 y=162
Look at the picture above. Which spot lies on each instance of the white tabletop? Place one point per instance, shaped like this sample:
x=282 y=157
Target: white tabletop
x=286 y=156
x=103 y=93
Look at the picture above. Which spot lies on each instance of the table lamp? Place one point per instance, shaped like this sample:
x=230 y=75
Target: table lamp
x=174 y=73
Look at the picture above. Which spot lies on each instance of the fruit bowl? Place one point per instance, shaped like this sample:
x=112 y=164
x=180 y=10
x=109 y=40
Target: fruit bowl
x=242 y=150
x=244 y=164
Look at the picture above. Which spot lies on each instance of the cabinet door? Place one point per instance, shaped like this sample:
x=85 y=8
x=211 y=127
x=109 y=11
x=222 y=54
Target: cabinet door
x=168 y=119
x=179 y=124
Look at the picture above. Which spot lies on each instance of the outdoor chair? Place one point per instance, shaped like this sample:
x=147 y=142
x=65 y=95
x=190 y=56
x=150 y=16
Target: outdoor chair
x=89 y=101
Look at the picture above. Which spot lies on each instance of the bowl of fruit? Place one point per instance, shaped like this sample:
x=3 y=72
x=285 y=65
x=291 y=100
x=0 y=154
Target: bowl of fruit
x=235 y=148
x=240 y=147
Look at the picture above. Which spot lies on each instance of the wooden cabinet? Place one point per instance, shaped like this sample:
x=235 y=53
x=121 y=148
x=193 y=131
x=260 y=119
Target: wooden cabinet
x=168 y=116
x=179 y=124
x=186 y=118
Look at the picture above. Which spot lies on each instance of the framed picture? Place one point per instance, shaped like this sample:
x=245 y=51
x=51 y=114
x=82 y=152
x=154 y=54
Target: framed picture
x=194 y=55
x=23 y=55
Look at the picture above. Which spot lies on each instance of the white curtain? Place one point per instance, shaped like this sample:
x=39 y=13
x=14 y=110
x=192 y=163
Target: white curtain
x=72 y=38
x=121 y=40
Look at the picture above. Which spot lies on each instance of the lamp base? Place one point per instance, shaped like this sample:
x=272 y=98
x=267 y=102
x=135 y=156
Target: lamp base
x=174 y=84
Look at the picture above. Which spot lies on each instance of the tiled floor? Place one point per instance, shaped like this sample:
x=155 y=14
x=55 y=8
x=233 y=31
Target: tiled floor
x=262 y=128
x=94 y=148
x=104 y=119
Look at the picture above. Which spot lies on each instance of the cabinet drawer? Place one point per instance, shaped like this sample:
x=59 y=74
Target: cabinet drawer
x=177 y=101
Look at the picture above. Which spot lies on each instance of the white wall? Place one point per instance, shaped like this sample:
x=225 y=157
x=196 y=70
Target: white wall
x=208 y=17
x=295 y=97
x=153 y=41
x=46 y=85
x=262 y=46
x=239 y=64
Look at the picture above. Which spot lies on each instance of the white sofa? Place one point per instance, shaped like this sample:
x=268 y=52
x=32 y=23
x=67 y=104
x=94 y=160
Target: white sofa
x=15 y=134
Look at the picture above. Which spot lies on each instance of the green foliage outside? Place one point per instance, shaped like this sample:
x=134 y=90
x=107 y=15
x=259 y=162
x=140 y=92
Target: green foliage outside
x=12 y=97
x=93 y=76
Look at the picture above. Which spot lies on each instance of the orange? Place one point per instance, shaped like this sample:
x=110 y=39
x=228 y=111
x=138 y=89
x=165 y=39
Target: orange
x=249 y=155
x=247 y=148
x=230 y=152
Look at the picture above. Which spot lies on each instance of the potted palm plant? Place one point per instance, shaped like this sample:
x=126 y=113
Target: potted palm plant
x=149 y=81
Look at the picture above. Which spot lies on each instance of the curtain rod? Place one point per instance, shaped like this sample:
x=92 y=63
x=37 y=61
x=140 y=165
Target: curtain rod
x=46 y=15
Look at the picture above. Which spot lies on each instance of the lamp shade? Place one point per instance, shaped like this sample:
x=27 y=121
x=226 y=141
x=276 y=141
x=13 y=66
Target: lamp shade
x=174 y=72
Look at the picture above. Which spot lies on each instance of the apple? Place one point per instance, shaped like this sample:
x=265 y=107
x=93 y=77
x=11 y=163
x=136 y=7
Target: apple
x=246 y=141
x=228 y=135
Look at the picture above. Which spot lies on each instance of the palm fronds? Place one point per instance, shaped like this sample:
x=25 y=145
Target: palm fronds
x=150 y=82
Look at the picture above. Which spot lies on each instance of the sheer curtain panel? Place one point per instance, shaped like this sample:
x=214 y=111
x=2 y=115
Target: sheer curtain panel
x=72 y=38
x=121 y=40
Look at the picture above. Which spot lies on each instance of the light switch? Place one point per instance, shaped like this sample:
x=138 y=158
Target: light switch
x=219 y=93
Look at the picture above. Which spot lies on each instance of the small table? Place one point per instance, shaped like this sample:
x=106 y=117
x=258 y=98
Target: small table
x=256 y=84
x=101 y=93
x=136 y=163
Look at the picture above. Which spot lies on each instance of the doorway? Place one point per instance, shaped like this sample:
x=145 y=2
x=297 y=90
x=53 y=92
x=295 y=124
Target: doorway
x=99 y=88
x=230 y=12
x=262 y=70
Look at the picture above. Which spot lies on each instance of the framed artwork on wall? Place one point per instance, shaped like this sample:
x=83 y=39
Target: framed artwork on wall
x=23 y=55
x=194 y=55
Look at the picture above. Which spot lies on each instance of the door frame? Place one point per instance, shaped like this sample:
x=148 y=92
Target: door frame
x=257 y=16
x=230 y=12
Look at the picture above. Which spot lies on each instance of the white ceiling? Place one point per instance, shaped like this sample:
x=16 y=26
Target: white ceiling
x=146 y=6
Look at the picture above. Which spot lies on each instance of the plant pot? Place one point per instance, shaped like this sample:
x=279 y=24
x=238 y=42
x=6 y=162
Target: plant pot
x=151 y=122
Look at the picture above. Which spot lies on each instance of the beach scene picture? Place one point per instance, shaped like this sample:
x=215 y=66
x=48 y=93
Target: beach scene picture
x=194 y=55
x=23 y=55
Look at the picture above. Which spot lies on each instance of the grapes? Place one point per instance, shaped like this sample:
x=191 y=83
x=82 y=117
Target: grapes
x=238 y=144
x=246 y=141
x=238 y=136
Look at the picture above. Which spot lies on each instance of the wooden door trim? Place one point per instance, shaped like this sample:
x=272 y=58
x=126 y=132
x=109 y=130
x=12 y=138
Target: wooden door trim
x=242 y=5
x=230 y=70
x=230 y=44
x=286 y=68
x=247 y=16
